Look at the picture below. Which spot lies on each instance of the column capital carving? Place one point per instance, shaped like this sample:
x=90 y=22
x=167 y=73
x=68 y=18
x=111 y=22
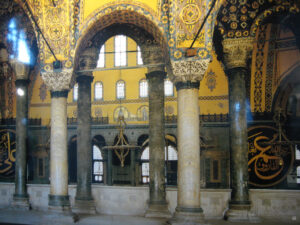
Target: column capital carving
x=158 y=74
x=20 y=69
x=59 y=94
x=152 y=54
x=88 y=59
x=58 y=81
x=84 y=78
x=187 y=70
x=237 y=51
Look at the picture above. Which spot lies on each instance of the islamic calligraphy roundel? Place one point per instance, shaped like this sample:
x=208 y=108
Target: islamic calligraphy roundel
x=7 y=153
x=270 y=157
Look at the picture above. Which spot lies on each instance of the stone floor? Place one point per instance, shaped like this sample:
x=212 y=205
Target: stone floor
x=8 y=216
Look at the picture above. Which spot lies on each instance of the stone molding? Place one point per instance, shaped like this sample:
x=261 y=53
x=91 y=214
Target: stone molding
x=187 y=85
x=84 y=78
x=237 y=51
x=58 y=81
x=187 y=70
x=158 y=74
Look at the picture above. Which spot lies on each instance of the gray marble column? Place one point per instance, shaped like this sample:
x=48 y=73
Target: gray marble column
x=21 y=197
x=188 y=208
x=158 y=206
x=58 y=197
x=84 y=202
x=109 y=167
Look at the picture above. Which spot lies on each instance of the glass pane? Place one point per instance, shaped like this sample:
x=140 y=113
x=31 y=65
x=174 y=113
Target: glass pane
x=297 y=152
x=172 y=153
x=97 y=153
x=120 y=50
x=145 y=154
x=98 y=91
x=101 y=60
x=139 y=56
x=120 y=89
x=98 y=168
x=169 y=88
x=143 y=88
x=298 y=175
x=145 y=169
x=75 y=92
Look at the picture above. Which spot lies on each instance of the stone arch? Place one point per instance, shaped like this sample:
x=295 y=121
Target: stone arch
x=133 y=21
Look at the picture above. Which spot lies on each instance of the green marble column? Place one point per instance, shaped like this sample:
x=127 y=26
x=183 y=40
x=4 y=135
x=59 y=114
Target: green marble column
x=158 y=206
x=238 y=138
x=84 y=202
x=21 y=197
x=58 y=197
x=109 y=167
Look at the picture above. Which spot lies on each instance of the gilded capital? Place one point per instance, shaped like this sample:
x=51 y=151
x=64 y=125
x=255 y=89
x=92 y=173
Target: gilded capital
x=187 y=70
x=237 y=51
x=58 y=81
x=21 y=70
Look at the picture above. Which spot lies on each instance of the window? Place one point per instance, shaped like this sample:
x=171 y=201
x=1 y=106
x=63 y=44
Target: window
x=120 y=89
x=171 y=165
x=75 y=93
x=298 y=175
x=120 y=50
x=297 y=151
x=169 y=89
x=101 y=59
x=145 y=166
x=139 y=56
x=97 y=165
x=143 y=88
x=98 y=91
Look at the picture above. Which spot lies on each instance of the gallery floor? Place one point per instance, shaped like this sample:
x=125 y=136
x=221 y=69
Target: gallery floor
x=9 y=216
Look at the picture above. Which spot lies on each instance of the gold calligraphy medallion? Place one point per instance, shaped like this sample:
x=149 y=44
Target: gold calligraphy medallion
x=7 y=153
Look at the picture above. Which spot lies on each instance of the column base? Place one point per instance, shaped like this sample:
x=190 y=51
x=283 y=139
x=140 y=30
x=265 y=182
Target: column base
x=158 y=210
x=84 y=206
x=241 y=213
x=59 y=203
x=21 y=202
x=191 y=216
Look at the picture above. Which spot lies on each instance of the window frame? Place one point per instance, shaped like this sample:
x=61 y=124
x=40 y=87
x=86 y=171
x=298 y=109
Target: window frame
x=140 y=87
x=120 y=52
x=100 y=99
x=165 y=94
x=100 y=161
x=75 y=92
x=139 y=56
x=104 y=58
x=117 y=97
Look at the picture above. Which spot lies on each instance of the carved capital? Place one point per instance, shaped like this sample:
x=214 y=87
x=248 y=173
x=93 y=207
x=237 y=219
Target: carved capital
x=153 y=55
x=237 y=51
x=187 y=70
x=21 y=70
x=58 y=81
x=88 y=59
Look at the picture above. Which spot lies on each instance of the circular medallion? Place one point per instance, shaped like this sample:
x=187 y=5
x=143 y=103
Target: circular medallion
x=7 y=153
x=190 y=14
x=270 y=157
x=56 y=31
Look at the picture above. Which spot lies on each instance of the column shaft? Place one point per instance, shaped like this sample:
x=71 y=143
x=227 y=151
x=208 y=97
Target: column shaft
x=188 y=197
x=21 y=139
x=58 y=150
x=156 y=137
x=109 y=167
x=238 y=136
x=84 y=145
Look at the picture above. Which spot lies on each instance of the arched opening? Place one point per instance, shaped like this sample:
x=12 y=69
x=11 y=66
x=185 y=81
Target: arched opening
x=72 y=159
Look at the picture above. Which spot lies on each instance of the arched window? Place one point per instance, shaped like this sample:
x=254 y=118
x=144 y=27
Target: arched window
x=169 y=89
x=120 y=50
x=75 y=93
x=171 y=165
x=143 y=88
x=139 y=58
x=98 y=91
x=101 y=59
x=97 y=165
x=145 y=166
x=120 y=89
x=297 y=152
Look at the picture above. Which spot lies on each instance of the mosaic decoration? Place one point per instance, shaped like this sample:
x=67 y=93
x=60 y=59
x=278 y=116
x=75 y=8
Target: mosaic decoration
x=270 y=159
x=169 y=110
x=98 y=112
x=121 y=110
x=242 y=18
x=211 y=80
x=143 y=113
x=7 y=153
x=259 y=63
x=43 y=92
x=270 y=68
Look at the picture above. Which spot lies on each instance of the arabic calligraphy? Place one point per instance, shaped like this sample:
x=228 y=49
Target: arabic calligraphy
x=7 y=153
x=269 y=158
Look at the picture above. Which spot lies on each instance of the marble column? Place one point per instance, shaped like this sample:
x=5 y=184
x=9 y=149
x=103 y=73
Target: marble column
x=236 y=53
x=58 y=197
x=21 y=197
x=84 y=202
x=109 y=167
x=158 y=206
x=187 y=76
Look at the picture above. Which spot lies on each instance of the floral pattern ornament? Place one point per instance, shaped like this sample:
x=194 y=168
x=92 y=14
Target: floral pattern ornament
x=211 y=80
x=43 y=92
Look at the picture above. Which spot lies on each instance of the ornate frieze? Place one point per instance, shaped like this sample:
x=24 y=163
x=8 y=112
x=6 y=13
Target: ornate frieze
x=187 y=70
x=58 y=81
x=237 y=51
